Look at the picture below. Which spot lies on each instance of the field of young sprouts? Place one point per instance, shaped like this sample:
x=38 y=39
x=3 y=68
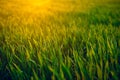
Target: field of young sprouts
x=59 y=39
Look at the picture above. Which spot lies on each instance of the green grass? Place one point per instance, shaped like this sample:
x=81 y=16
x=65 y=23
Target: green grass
x=60 y=42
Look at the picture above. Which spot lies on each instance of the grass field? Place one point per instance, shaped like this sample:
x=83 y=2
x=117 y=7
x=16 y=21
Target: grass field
x=59 y=40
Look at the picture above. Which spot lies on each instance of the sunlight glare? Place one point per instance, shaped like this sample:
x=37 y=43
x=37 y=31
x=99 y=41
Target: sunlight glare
x=38 y=2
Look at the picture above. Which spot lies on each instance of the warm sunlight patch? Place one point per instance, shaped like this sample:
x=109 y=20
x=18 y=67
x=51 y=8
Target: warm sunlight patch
x=25 y=6
x=37 y=2
x=34 y=5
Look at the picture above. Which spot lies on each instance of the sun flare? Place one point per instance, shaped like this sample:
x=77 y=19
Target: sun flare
x=37 y=2
x=34 y=5
x=26 y=6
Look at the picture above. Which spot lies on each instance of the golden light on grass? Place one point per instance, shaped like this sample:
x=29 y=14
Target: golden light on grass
x=20 y=7
x=38 y=2
x=53 y=39
x=35 y=6
x=34 y=3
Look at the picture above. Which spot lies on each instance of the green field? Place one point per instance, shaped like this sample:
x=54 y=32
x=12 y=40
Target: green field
x=59 y=39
